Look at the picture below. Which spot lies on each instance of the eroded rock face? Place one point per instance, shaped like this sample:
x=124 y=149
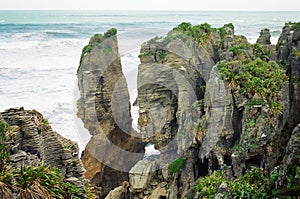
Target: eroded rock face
x=288 y=53
x=289 y=167
x=34 y=141
x=140 y=175
x=217 y=127
x=170 y=77
x=104 y=109
x=264 y=37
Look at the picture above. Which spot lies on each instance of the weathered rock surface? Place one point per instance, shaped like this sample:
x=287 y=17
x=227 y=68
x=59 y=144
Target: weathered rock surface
x=140 y=175
x=118 y=192
x=34 y=141
x=288 y=53
x=191 y=107
x=264 y=37
x=187 y=109
x=289 y=169
x=104 y=107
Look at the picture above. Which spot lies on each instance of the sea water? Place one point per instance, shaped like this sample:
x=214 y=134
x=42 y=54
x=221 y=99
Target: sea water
x=40 y=51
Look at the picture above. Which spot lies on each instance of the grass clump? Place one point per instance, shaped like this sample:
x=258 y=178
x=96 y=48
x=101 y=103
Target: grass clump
x=176 y=165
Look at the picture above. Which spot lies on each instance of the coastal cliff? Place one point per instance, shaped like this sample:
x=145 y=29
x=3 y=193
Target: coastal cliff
x=37 y=162
x=223 y=113
x=212 y=102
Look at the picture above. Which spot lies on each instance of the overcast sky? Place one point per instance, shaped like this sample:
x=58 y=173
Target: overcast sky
x=153 y=4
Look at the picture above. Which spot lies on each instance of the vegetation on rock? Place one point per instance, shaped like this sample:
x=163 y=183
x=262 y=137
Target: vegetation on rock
x=200 y=33
x=251 y=185
x=176 y=165
x=256 y=78
x=32 y=181
x=293 y=25
x=97 y=40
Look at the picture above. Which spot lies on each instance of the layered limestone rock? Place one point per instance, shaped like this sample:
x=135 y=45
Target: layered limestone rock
x=171 y=78
x=217 y=116
x=288 y=181
x=264 y=37
x=104 y=108
x=288 y=54
x=33 y=141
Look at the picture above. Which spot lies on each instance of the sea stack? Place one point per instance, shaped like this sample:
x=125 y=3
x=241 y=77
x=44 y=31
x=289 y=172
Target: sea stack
x=104 y=108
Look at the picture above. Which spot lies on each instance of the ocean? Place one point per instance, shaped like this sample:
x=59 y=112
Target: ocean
x=40 y=51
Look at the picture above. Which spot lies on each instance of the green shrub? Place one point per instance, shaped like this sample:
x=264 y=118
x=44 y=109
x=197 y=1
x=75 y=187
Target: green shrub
x=208 y=186
x=254 y=77
x=261 y=52
x=200 y=33
x=251 y=185
x=86 y=49
x=237 y=49
x=294 y=25
x=163 y=54
x=147 y=53
x=176 y=165
x=110 y=33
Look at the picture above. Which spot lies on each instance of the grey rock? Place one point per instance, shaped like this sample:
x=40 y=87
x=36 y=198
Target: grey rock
x=34 y=141
x=158 y=193
x=20 y=156
x=290 y=160
x=264 y=37
x=140 y=175
x=103 y=107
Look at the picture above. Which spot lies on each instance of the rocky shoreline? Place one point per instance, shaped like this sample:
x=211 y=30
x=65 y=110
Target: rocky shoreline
x=223 y=113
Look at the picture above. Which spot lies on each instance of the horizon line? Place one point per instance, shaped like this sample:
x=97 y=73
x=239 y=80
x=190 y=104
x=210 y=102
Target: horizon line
x=155 y=10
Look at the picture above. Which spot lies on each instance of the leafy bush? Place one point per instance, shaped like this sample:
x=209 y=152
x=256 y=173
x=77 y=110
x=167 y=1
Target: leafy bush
x=208 y=186
x=110 y=33
x=261 y=52
x=254 y=77
x=251 y=185
x=86 y=49
x=200 y=33
x=237 y=49
x=294 y=25
x=176 y=165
